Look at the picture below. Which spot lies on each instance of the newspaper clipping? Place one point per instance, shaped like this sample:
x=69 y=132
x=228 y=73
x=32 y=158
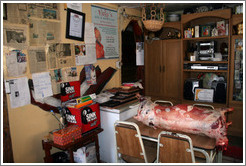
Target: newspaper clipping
x=43 y=10
x=15 y=37
x=37 y=60
x=60 y=55
x=43 y=32
x=17 y=13
x=16 y=63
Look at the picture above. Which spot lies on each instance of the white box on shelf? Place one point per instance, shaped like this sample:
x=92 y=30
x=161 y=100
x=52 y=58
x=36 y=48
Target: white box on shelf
x=197 y=31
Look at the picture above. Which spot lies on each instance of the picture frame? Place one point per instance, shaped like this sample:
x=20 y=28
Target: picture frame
x=5 y=11
x=75 y=25
x=204 y=95
x=206 y=31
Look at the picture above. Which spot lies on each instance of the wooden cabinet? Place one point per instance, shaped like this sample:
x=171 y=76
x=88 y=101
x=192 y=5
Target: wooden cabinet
x=206 y=22
x=236 y=79
x=236 y=117
x=162 y=69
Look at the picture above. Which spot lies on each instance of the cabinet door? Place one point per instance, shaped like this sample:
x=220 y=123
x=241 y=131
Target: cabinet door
x=153 y=54
x=236 y=117
x=172 y=68
x=236 y=73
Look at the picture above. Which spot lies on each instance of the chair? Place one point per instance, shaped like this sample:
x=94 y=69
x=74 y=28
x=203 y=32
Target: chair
x=163 y=102
x=129 y=144
x=176 y=148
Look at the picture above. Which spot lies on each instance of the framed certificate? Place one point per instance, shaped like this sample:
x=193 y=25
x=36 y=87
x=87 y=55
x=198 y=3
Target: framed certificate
x=75 y=25
x=204 y=95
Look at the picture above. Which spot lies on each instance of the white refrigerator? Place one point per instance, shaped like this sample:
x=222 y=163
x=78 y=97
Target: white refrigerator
x=107 y=138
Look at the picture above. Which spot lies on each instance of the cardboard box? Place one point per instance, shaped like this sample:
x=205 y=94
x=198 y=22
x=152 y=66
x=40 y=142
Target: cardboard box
x=86 y=154
x=87 y=117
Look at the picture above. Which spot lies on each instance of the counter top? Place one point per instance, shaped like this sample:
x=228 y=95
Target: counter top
x=121 y=108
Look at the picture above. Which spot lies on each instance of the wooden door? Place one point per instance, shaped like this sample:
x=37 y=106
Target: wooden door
x=172 y=68
x=153 y=52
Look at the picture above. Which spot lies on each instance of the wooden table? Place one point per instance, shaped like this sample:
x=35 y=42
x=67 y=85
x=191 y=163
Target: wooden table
x=91 y=136
x=199 y=141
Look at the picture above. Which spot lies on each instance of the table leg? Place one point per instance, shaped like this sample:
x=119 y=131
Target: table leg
x=47 y=147
x=70 y=151
x=97 y=149
x=219 y=157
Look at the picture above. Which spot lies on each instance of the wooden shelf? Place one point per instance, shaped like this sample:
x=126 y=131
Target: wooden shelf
x=238 y=36
x=236 y=19
x=207 y=38
x=207 y=71
x=225 y=14
x=203 y=62
x=175 y=25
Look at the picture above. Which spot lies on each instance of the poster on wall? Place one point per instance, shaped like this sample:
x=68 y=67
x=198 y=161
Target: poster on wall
x=106 y=32
x=90 y=74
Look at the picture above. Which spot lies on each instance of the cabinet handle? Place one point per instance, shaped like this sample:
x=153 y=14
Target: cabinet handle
x=160 y=68
x=163 y=68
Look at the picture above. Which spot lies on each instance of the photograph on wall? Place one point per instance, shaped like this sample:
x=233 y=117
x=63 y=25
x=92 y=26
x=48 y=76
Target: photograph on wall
x=37 y=59
x=42 y=32
x=58 y=75
x=70 y=74
x=106 y=32
x=60 y=55
x=80 y=50
x=19 y=92
x=49 y=14
x=17 y=13
x=88 y=58
x=15 y=37
x=16 y=63
x=90 y=74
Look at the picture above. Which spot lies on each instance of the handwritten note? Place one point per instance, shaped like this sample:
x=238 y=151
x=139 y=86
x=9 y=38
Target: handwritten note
x=42 y=85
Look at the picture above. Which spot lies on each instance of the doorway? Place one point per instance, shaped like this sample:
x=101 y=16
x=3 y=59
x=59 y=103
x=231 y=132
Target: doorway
x=130 y=72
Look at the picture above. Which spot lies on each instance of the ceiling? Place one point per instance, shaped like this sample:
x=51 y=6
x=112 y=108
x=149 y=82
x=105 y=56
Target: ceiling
x=173 y=7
